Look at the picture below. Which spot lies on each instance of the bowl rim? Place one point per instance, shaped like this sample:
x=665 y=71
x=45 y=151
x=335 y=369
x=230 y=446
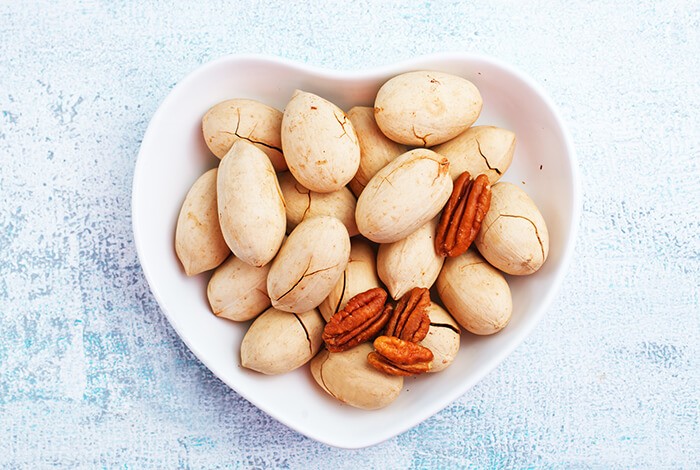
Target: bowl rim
x=414 y=63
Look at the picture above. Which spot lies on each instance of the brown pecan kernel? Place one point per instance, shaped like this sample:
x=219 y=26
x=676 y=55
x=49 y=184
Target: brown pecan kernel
x=381 y=364
x=462 y=216
x=410 y=321
x=361 y=320
x=395 y=356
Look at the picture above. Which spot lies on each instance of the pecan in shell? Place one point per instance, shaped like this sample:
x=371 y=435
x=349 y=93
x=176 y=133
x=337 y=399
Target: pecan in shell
x=361 y=320
x=462 y=216
x=410 y=320
x=395 y=356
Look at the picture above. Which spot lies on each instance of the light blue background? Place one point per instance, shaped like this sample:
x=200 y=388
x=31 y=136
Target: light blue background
x=93 y=375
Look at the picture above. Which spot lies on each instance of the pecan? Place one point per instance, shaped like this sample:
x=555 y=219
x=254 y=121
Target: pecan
x=462 y=216
x=410 y=321
x=395 y=356
x=361 y=320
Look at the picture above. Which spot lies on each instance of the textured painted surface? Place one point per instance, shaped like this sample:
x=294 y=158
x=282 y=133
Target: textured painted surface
x=93 y=375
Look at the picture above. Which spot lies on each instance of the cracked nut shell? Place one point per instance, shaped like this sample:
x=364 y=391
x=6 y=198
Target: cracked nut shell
x=360 y=275
x=319 y=143
x=199 y=243
x=241 y=119
x=480 y=150
x=278 y=342
x=309 y=264
x=302 y=203
x=426 y=108
x=250 y=204
x=410 y=262
x=475 y=293
x=443 y=337
x=513 y=236
x=403 y=196
x=376 y=149
x=348 y=377
x=238 y=291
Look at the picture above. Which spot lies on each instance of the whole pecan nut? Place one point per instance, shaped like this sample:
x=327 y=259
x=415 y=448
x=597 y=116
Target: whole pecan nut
x=361 y=320
x=410 y=320
x=395 y=356
x=462 y=216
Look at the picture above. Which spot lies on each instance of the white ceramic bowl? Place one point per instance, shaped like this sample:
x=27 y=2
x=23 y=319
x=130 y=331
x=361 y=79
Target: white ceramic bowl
x=173 y=155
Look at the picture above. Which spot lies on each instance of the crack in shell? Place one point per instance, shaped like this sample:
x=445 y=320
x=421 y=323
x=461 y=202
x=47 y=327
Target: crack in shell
x=306 y=274
x=537 y=233
x=306 y=332
x=445 y=325
x=252 y=141
x=488 y=165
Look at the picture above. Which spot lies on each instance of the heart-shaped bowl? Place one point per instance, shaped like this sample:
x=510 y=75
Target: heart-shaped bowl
x=173 y=154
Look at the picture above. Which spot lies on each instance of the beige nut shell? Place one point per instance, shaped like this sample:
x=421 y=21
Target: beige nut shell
x=238 y=291
x=359 y=276
x=475 y=293
x=376 y=149
x=403 y=196
x=348 y=377
x=319 y=143
x=426 y=108
x=513 y=236
x=278 y=342
x=250 y=203
x=443 y=338
x=249 y=120
x=410 y=262
x=309 y=264
x=199 y=243
x=302 y=203
x=480 y=149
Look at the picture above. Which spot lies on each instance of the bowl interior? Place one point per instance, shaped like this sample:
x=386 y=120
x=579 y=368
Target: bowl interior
x=173 y=155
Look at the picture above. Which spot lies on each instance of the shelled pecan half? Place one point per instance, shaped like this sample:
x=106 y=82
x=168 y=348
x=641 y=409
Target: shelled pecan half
x=395 y=356
x=462 y=216
x=361 y=320
x=410 y=321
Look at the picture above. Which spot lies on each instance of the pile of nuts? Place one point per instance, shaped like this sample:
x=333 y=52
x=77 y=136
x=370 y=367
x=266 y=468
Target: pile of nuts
x=414 y=185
